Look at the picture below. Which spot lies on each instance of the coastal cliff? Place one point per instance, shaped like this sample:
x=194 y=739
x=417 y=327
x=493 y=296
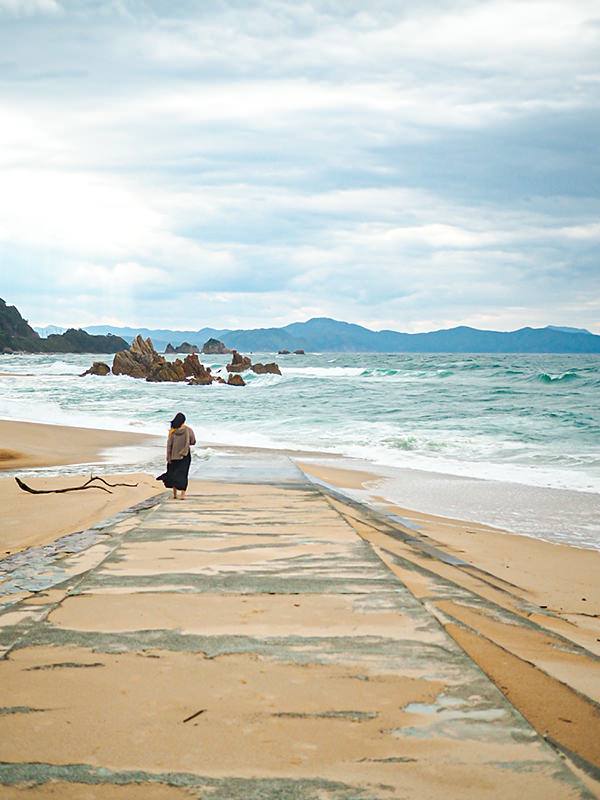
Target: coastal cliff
x=16 y=335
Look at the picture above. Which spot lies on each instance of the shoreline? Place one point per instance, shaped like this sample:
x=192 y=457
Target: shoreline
x=561 y=516
x=40 y=444
x=28 y=520
x=539 y=568
x=566 y=516
x=526 y=611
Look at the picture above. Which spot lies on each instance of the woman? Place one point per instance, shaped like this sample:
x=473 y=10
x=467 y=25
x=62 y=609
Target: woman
x=178 y=456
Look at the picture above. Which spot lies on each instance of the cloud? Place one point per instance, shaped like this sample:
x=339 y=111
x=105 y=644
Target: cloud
x=266 y=160
x=29 y=8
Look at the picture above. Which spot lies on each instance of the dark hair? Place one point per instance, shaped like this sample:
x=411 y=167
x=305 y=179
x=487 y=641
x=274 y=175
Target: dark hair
x=178 y=420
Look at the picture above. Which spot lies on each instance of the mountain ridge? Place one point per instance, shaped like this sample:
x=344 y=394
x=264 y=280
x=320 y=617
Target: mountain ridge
x=323 y=334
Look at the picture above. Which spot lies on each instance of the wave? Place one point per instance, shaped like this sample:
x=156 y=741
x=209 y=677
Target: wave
x=544 y=377
x=378 y=373
x=323 y=372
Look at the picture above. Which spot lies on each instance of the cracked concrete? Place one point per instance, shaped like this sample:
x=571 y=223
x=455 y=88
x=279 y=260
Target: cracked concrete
x=248 y=643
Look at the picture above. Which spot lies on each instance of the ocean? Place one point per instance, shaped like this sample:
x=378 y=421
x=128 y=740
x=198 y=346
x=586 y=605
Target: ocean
x=528 y=423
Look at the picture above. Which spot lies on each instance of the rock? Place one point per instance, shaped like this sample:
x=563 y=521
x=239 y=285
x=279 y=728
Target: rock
x=214 y=347
x=262 y=369
x=219 y=379
x=142 y=361
x=186 y=347
x=239 y=363
x=163 y=370
x=169 y=350
x=97 y=368
x=283 y=352
x=298 y=352
x=235 y=380
x=136 y=361
x=199 y=374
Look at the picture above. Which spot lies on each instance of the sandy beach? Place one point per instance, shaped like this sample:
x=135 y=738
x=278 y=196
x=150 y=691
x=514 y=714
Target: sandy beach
x=28 y=520
x=526 y=612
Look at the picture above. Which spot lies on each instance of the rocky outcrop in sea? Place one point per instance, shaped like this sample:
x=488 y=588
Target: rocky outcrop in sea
x=142 y=361
x=213 y=347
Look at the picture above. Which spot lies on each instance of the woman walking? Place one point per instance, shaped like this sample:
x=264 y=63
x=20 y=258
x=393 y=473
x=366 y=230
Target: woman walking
x=180 y=438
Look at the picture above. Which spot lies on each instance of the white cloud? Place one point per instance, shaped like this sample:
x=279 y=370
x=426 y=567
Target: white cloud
x=407 y=163
x=29 y=8
x=117 y=278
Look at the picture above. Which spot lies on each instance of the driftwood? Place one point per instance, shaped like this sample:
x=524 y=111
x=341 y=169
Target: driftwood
x=89 y=484
x=193 y=716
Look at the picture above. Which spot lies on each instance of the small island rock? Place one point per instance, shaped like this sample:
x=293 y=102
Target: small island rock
x=186 y=347
x=262 y=369
x=97 y=368
x=235 y=380
x=239 y=363
x=214 y=347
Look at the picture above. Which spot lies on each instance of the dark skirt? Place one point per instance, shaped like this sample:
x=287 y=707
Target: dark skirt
x=176 y=476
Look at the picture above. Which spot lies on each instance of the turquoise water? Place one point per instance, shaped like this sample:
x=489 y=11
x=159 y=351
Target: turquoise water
x=534 y=419
x=531 y=422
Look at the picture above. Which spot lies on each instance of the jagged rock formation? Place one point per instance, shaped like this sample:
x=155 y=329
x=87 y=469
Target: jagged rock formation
x=166 y=371
x=235 y=380
x=199 y=374
x=214 y=347
x=138 y=360
x=97 y=368
x=239 y=363
x=142 y=361
x=271 y=368
x=283 y=352
x=298 y=352
x=170 y=350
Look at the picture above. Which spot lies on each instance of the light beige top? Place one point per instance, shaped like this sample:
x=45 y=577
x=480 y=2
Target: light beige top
x=178 y=443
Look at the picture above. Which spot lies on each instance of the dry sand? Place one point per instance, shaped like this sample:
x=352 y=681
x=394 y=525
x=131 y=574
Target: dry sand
x=28 y=520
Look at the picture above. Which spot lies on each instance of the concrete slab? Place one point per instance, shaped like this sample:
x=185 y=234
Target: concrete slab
x=247 y=643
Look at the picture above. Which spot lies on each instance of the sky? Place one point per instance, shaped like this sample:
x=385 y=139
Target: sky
x=234 y=164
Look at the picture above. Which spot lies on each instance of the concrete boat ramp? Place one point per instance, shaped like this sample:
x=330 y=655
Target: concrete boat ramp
x=246 y=644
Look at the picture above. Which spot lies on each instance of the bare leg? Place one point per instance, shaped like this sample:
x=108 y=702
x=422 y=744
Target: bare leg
x=174 y=494
x=182 y=495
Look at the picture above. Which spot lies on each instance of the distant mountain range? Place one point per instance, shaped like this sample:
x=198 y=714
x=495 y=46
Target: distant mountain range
x=327 y=335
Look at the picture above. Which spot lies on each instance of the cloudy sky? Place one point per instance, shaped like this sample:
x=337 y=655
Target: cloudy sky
x=405 y=165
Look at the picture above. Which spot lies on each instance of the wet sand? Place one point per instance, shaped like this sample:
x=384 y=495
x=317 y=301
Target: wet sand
x=32 y=444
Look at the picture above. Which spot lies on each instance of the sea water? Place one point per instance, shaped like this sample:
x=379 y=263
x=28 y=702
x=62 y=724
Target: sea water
x=524 y=420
